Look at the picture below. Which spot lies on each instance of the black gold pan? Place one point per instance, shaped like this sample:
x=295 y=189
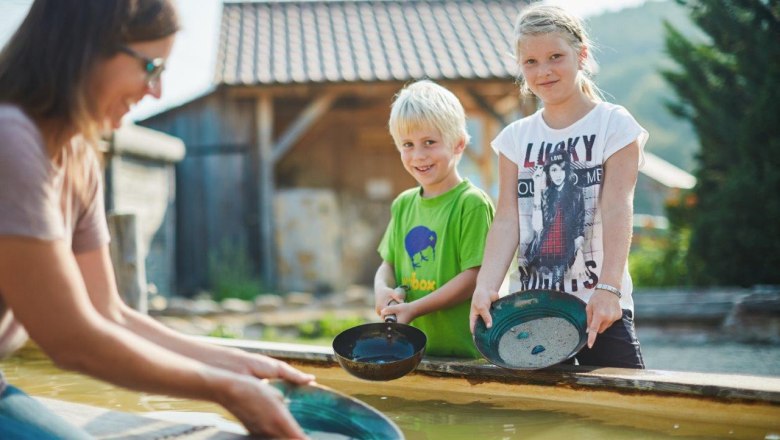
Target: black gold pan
x=380 y=351
x=533 y=329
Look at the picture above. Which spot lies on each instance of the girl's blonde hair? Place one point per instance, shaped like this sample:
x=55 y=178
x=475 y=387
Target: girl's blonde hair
x=426 y=104
x=545 y=19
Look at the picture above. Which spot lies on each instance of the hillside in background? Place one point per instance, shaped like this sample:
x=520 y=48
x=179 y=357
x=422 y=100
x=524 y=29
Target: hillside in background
x=630 y=52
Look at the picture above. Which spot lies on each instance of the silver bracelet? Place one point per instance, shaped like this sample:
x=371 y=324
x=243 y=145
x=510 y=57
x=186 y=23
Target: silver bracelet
x=608 y=288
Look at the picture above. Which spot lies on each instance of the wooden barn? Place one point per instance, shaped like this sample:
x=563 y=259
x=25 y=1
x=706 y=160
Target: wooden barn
x=290 y=169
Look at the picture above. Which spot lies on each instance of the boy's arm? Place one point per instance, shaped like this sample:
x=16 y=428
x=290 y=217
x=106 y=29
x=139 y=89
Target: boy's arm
x=452 y=293
x=384 y=287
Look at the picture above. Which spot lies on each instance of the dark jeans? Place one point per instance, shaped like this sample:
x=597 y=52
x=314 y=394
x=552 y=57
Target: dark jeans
x=617 y=347
x=24 y=418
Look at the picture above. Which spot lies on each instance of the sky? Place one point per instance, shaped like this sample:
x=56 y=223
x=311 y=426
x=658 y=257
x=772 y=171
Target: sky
x=190 y=68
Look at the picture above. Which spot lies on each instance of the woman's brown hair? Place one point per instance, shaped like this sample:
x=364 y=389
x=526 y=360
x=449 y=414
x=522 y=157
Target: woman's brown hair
x=45 y=66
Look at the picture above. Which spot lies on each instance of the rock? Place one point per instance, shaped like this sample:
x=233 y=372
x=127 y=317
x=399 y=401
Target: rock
x=254 y=330
x=358 y=296
x=235 y=305
x=205 y=307
x=157 y=303
x=268 y=303
x=298 y=299
x=178 y=306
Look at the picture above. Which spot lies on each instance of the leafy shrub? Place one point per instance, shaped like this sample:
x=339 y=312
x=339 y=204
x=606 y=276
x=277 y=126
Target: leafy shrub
x=231 y=273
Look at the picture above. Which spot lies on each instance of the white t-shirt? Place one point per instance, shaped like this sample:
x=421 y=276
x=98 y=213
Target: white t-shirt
x=563 y=206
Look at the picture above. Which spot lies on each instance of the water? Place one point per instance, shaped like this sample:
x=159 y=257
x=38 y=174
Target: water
x=420 y=413
x=761 y=360
x=379 y=359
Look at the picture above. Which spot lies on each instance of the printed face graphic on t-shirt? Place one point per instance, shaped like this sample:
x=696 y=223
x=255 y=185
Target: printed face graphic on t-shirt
x=557 y=174
x=420 y=244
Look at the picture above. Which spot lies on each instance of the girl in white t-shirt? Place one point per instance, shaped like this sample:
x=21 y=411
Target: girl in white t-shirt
x=566 y=183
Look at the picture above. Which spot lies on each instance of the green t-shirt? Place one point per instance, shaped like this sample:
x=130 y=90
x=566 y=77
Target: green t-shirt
x=429 y=242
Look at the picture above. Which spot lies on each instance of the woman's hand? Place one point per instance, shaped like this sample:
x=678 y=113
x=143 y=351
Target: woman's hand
x=264 y=367
x=258 y=406
x=603 y=310
x=480 y=306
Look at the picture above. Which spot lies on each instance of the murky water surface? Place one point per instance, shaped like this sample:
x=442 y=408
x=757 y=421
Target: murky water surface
x=431 y=417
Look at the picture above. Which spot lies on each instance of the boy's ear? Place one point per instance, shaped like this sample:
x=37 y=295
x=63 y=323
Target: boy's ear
x=460 y=146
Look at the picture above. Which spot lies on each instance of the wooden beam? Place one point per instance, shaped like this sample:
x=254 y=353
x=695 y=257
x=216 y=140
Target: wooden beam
x=507 y=104
x=264 y=123
x=299 y=126
x=484 y=105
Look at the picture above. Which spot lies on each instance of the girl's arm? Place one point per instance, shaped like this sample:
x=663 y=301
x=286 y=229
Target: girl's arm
x=98 y=274
x=617 y=195
x=500 y=246
x=41 y=283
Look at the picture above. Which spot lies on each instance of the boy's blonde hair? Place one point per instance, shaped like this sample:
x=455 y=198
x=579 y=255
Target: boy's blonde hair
x=545 y=19
x=424 y=104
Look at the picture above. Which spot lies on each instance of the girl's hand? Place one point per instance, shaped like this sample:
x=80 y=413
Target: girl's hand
x=480 y=306
x=603 y=310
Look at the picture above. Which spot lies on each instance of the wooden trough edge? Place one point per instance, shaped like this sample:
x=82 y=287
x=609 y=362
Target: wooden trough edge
x=722 y=387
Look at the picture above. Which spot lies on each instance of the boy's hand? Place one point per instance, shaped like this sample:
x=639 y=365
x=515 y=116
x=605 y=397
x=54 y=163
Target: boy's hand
x=480 y=306
x=383 y=296
x=404 y=312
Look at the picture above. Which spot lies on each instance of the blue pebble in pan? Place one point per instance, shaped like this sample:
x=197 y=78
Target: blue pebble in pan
x=523 y=335
x=538 y=349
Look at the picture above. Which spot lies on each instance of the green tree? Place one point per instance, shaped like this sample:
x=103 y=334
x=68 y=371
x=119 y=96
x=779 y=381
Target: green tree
x=727 y=87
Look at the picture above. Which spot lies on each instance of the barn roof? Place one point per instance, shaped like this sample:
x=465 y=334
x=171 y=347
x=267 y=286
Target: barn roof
x=333 y=41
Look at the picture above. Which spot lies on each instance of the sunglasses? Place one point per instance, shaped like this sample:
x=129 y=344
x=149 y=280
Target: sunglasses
x=152 y=66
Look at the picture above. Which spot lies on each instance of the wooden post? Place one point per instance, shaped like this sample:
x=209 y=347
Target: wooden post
x=265 y=185
x=129 y=260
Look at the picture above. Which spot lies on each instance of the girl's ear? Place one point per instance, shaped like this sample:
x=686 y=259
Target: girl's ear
x=583 y=56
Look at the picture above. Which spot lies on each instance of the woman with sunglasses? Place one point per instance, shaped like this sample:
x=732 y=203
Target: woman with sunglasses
x=70 y=73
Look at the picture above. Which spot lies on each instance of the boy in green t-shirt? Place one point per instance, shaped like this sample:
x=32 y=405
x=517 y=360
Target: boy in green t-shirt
x=436 y=235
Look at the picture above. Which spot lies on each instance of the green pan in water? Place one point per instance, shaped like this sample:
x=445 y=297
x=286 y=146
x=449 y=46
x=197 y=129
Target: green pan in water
x=533 y=329
x=327 y=414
